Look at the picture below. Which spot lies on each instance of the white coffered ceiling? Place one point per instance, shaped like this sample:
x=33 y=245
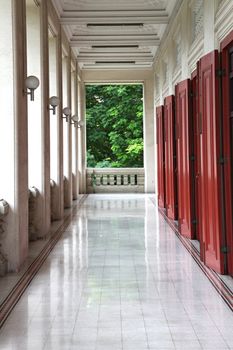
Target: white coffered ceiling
x=114 y=33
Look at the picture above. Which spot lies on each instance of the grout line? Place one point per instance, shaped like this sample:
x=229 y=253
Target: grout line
x=100 y=298
x=119 y=280
x=18 y=290
x=140 y=301
x=219 y=285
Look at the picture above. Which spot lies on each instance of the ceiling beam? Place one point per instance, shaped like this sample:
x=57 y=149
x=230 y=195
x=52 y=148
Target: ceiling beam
x=115 y=13
x=117 y=25
x=115 y=58
x=82 y=43
x=114 y=37
x=150 y=19
x=110 y=52
x=117 y=66
x=115 y=54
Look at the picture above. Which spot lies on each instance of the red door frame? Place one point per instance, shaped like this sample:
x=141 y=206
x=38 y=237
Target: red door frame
x=224 y=46
x=160 y=156
x=210 y=162
x=170 y=157
x=185 y=161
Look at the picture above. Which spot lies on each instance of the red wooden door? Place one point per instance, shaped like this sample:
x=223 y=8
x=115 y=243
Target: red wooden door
x=170 y=158
x=210 y=167
x=160 y=156
x=227 y=85
x=185 y=161
x=196 y=150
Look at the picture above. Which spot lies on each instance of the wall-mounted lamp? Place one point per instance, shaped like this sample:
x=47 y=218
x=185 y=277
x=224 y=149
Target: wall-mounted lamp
x=31 y=83
x=74 y=118
x=67 y=112
x=54 y=102
x=77 y=123
x=80 y=123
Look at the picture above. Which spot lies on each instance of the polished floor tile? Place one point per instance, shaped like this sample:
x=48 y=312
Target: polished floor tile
x=119 y=279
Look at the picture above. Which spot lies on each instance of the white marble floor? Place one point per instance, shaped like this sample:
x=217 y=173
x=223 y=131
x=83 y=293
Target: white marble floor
x=119 y=280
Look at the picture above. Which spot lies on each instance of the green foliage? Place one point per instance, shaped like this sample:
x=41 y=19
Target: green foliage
x=114 y=117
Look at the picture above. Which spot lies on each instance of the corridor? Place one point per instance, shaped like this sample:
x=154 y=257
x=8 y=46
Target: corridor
x=119 y=279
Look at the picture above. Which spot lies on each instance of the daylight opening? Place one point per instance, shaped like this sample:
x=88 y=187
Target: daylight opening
x=114 y=123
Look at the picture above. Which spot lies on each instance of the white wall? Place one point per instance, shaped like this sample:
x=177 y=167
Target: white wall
x=197 y=29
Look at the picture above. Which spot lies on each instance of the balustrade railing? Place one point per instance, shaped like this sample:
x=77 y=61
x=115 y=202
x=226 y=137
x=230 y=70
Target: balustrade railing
x=115 y=180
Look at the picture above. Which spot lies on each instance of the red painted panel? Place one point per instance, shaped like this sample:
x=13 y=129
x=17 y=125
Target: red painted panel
x=185 y=162
x=160 y=156
x=196 y=150
x=227 y=80
x=210 y=168
x=170 y=158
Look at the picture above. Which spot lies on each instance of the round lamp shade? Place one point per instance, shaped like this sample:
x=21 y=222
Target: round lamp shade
x=32 y=82
x=81 y=123
x=75 y=118
x=54 y=101
x=66 y=111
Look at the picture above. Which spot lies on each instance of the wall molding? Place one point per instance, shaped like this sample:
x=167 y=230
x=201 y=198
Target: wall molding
x=224 y=19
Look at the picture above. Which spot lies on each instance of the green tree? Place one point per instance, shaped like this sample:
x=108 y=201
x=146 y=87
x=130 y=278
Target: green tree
x=114 y=115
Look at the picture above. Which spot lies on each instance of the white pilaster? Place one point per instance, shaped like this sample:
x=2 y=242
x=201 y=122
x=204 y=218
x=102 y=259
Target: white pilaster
x=149 y=136
x=45 y=121
x=210 y=42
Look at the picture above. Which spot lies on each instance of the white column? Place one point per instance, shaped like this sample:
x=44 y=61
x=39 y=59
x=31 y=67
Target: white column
x=67 y=132
x=185 y=40
x=60 y=172
x=17 y=229
x=149 y=137
x=53 y=119
x=75 y=134
x=46 y=216
x=70 y=191
x=210 y=42
x=82 y=138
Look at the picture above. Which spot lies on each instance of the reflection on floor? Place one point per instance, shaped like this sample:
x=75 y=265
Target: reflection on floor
x=119 y=279
x=10 y=280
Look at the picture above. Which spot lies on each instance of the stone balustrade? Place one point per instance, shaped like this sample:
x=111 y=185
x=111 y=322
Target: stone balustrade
x=115 y=180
